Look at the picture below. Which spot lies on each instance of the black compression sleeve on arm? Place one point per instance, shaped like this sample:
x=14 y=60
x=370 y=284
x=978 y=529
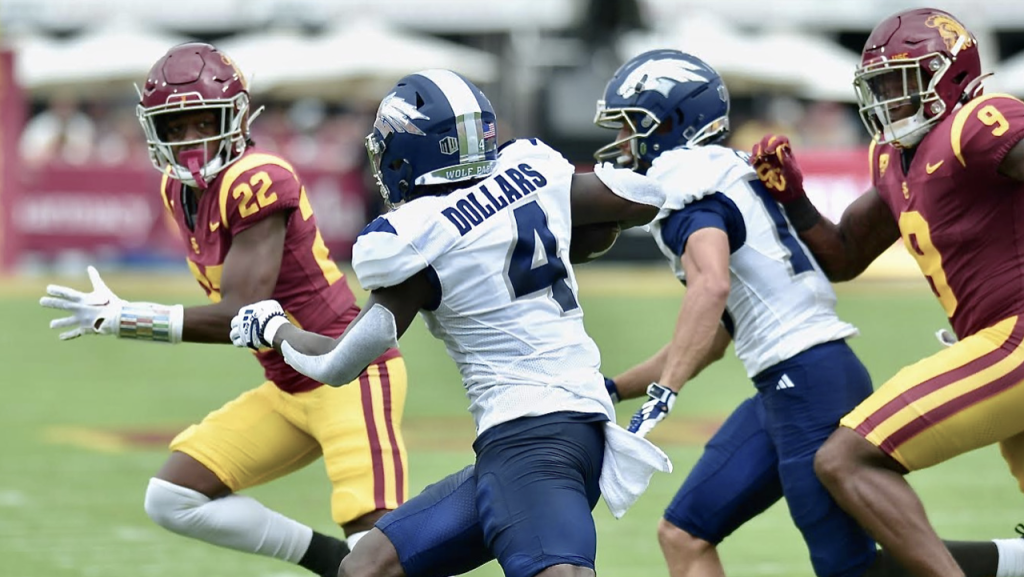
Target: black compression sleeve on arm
x=802 y=213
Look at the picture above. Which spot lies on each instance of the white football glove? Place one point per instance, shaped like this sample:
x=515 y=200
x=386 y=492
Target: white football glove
x=96 y=312
x=255 y=325
x=653 y=411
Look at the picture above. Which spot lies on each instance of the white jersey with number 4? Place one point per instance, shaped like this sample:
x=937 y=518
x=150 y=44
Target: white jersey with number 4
x=498 y=253
x=780 y=303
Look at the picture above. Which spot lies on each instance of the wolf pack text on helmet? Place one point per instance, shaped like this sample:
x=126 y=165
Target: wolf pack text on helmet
x=434 y=127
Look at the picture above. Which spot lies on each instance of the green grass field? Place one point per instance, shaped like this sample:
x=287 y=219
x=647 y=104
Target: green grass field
x=83 y=425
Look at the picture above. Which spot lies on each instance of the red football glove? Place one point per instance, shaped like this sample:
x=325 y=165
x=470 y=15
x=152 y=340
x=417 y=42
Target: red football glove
x=773 y=160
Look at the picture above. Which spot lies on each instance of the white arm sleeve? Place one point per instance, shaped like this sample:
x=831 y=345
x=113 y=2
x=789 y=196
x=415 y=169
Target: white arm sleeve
x=365 y=340
x=630 y=185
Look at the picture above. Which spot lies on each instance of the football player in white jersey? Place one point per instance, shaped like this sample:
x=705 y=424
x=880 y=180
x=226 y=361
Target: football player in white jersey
x=478 y=243
x=749 y=279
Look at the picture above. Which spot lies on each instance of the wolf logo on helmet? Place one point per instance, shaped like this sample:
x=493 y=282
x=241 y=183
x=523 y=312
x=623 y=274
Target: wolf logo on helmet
x=453 y=115
x=658 y=101
x=661 y=75
x=396 y=115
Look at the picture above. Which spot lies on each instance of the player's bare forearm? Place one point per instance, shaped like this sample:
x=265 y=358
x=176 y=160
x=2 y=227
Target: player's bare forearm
x=305 y=342
x=633 y=382
x=210 y=323
x=844 y=250
x=706 y=263
x=694 y=341
x=250 y=275
x=593 y=202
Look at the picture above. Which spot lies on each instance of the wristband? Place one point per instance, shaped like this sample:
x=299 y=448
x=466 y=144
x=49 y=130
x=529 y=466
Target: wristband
x=802 y=213
x=151 y=322
x=613 y=391
x=273 y=324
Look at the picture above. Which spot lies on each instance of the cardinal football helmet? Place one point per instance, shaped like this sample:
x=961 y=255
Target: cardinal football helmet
x=666 y=98
x=195 y=76
x=917 y=66
x=434 y=127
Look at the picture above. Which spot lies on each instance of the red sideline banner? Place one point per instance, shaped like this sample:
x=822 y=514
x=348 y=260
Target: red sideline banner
x=834 y=178
x=112 y=213
x=12 y=117
x=117 y=213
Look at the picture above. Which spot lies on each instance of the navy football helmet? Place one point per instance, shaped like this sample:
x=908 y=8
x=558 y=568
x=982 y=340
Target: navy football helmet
x=434 y=127
x=665 y=99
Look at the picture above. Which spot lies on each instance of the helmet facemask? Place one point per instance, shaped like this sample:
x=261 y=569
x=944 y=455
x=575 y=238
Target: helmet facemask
x=643 y=128
x=898 y=99
x=375 y=150
x=197 y=168
x=640 y=122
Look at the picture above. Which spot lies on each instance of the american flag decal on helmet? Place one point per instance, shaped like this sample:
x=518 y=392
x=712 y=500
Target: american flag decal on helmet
x=489 y=131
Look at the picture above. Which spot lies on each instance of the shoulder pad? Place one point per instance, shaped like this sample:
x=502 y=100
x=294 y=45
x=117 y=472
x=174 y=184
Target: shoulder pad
x=984 y=114
x=689 y=174
x=401 y=243
x=255 y=182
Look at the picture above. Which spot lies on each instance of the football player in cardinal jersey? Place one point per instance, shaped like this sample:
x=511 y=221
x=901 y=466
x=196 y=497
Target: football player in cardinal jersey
x=947 y=165
x=478 y=243
x=249 y=233
x=750 y=280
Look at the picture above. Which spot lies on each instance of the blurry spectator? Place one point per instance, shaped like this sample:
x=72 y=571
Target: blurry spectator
x=830 y=125
x=61 y=132
x=778 y=115
x=341 y=140
x=120 y=139
x=306 y=116
x=272 y=130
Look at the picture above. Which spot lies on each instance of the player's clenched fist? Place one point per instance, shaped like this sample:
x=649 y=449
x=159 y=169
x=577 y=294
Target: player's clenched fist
x=653 y=411
x=776 y=167
x=255 y=325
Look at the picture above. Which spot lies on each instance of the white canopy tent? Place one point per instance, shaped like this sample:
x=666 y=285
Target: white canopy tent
x=102 y=62
x=719 y=44
x=825 y=68
x=359 y=61
x=799 y=63
x=1009 y=77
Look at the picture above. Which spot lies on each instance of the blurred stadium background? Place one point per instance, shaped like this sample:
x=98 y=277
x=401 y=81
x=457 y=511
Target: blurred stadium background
x=84 y=424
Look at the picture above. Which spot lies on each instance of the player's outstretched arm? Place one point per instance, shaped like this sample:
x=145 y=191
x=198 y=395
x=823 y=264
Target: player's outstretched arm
x=633 y=382
x=615 y=195
x=101 y=312
x=843 y=251
x=706 y=262
x=383 y=320
x=250 y=275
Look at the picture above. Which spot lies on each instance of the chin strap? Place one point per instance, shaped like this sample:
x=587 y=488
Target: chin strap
x=193 y=160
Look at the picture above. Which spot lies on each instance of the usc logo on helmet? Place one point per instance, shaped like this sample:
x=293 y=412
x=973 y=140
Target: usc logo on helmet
x=950 y=30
